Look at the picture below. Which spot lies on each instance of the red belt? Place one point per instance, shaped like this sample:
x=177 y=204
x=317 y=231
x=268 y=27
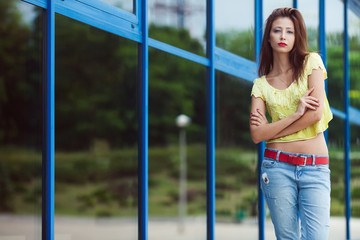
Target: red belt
x=295 y=160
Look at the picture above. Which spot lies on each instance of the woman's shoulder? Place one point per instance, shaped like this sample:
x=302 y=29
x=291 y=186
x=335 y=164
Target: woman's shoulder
x=313 y=58
x=314 y=61
x=259 y=80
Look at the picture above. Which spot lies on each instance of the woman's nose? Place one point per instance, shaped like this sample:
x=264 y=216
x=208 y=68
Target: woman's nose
x=282 y=35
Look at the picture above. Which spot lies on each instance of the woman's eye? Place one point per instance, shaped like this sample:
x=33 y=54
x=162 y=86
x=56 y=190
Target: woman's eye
x=276 y=31
x=291 y=32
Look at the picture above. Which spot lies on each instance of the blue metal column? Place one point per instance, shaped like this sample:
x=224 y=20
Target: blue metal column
x=210 y=133
x=143 y=106
x=347 y=121
x=261 y=146
x=49 y=123
x=295 y=4
x=322 y=43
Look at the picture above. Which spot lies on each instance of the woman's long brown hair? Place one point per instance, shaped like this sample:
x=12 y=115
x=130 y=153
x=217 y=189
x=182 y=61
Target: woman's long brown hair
x=299 y=52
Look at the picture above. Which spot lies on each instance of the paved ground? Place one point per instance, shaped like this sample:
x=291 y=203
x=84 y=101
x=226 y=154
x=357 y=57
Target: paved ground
x=69 y=228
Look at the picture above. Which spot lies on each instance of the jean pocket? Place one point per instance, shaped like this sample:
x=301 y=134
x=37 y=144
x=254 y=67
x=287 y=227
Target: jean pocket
x=323 y=168
x=269 y=163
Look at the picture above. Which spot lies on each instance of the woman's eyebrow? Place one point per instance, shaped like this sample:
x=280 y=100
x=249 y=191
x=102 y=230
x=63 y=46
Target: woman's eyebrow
x=285 y=28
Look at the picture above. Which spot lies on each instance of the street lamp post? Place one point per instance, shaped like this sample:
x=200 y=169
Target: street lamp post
x=182 y=121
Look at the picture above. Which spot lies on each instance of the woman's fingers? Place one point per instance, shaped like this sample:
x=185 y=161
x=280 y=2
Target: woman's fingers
x=308 y=92
x=260 y=113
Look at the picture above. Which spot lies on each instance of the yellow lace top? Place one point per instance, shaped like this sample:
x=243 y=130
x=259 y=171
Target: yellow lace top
x=282 y=103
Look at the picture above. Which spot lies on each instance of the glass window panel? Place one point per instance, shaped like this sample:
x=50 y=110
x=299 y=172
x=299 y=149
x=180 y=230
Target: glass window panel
x=334 y=45
x=20 y=121
x=177 y=155
x=181 y=23
x=355 y=181
x=311 y=18
x=354 y=58
x=236 y=162
x=96 y=183
x=270 y=5
x=336 y=165
x=234 y=25
x=127 y=5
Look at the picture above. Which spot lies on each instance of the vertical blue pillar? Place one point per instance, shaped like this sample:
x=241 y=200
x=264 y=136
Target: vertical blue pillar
x=322 y=43
x=261 y=146
x=210 y=119
x=143 y=96
x=295 y=4
x=49 y=123
x=347 y=122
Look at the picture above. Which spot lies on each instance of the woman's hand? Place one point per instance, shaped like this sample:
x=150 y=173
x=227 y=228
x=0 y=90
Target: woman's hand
x=307 y=102
x=257 y=118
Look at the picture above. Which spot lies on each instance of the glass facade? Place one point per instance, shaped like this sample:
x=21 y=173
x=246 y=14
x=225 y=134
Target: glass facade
x=270 y=5
x=177 y=153
x=234 y=25
x=311 y=18
x=20 y=121
x=180 y=23
x=334 y=45
x=354 y=61
x=127 y=5
x=236 y=160
x=96 y=159
x=100 y=149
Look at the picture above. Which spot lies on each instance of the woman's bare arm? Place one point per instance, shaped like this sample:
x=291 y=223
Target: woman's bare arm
x=260 y=129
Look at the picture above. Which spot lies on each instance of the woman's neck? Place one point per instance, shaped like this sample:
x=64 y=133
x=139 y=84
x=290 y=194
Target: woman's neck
x=281 y=63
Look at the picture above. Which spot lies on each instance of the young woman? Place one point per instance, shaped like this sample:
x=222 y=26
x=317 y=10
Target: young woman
x=295 y=172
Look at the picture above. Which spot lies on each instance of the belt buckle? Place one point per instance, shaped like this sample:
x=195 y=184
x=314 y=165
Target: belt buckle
x=305 y=158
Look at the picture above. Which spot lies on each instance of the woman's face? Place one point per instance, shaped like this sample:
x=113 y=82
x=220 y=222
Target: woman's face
x=282 y=35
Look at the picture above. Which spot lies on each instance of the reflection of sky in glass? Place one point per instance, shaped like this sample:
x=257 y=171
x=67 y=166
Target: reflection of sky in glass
x=310 y=14
x=270 y=5
x=164 y=13
x=127 y=5
x=232 y=15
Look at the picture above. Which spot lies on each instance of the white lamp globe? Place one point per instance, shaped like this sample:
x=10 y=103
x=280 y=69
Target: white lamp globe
x=183 y=121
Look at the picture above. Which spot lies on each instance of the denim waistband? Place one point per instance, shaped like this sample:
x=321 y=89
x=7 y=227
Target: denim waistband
x=298 y=154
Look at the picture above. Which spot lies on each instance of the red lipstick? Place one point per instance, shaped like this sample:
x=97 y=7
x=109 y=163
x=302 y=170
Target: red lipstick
x=281 y=44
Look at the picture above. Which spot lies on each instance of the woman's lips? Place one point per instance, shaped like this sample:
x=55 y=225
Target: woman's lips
x=282 y=44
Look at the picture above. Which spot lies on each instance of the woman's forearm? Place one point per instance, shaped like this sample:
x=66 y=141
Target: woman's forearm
x=270 y=130
x=308 y=119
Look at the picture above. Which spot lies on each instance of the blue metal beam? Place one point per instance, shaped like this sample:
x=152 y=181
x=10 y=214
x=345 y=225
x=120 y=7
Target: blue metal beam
x=210 y=120
x=49 y=130
x=295 y=4
x=347 y=121
x=178 y=52
x=261 y=146
x=322 y=43
x=235 y=65
x=40 y=3
x=143 y=142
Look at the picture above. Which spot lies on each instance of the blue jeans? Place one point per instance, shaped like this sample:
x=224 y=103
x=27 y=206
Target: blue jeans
x=293 y=191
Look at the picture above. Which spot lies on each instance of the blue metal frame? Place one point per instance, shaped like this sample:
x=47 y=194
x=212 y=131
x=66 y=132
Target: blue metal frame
x=49 y=106
x=210 y=121
x=143 y=141
x=135 y=27
x=295 y=4
x=347 y=121
x=322 y=43
x=261 y=146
